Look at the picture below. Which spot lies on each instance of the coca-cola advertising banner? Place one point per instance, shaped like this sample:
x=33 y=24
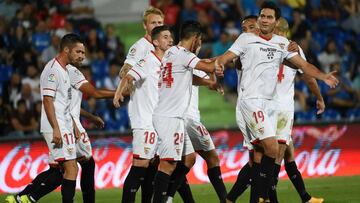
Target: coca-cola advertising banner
x=330 y=150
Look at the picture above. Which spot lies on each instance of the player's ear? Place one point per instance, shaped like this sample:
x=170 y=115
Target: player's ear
x=155 y=42
x=66 y=49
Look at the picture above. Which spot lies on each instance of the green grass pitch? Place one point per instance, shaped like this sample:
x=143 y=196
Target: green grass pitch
x=333 y=189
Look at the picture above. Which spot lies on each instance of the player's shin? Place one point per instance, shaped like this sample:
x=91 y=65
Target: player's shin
x=243 y=181
x=87 y=183
x=132 y=183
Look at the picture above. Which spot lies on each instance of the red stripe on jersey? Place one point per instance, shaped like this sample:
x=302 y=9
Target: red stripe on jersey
x=168 y=159
x=136 y=72
x=191 y=61
x=280 y=75
x=257 y=141
x=60 y=159
x=148 y=40
x=64 y=67
x=156 y=56
x=48 y=89
x=265 y=38
x=282 y=141
x=80 y=81
x=136 y=155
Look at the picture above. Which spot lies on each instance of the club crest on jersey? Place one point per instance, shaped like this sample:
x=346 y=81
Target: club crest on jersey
x=132 y=52
x=177 y=151
x=51 y=78
x=77 y=72
x=146 y=150
x=261 y=130
x=282 y=45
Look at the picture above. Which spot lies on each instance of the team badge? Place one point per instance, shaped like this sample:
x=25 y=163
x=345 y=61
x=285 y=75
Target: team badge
x=177 y=151
x=51 y=78
x=146 y=150
x=70 y=150
x=282 y=46
x=132 y=52
x=261 y=130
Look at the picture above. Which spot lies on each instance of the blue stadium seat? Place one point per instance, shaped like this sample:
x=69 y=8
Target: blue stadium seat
x=331 y=115
x=353 y=114
x=301 y=116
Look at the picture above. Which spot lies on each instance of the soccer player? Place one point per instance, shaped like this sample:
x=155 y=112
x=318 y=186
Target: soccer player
x=174 y=97
x=145 y=74
x=56 y=122
x=152 y=18
x=49 y=180
x=284 y=110
x=260 y=57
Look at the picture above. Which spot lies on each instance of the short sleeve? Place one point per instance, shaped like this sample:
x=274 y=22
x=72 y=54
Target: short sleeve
x=135 y=54
x=137 y=71
x=239 y=45
x=76 y=78
x=200 y=74
x=50 y=83
x=289 y=55
x=190 y=59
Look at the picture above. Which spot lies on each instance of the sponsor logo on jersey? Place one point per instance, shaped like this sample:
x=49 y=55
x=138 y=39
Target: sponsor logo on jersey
x=51 y=78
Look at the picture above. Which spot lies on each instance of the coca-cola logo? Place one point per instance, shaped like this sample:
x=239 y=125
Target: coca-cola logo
x=20 y=163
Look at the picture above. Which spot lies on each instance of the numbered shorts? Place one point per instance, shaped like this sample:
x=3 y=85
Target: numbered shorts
x=259 y=118
x=173 y=142
x=284 y=123
x=144 y=143
x=199 y=136
x=66 y=152
x=244 y=129
x=83 y=146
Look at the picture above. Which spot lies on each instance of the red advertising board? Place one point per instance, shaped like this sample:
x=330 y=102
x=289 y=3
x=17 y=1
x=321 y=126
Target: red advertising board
x=330 y=150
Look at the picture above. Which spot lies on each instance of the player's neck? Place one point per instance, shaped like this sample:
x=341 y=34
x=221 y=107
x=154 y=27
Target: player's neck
x=159 y=53
x=187 y=44
x=62 y=60
x=266 y=36
x=148 y=38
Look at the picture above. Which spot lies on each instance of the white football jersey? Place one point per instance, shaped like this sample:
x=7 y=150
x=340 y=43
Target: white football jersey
x=193 y=111
x=55 y=82
x=138 y=51
x=284 y=93
x=175 y=82
x=76 y=80
x=260 y=59
x=145 y=97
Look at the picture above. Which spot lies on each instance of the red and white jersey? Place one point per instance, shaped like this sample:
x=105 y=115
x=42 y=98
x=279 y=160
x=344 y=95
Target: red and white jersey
x=145 y=97
x=260 y=59
x=193 y=111
x=138 y=51
x=175 y=82
x=76 y=80
x=55 y=82
x=284 y=93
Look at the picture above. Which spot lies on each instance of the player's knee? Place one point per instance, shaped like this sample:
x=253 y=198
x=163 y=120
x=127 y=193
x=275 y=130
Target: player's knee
x=141 y=162
x=212 y=159
x=189 y=160
x=167 y=167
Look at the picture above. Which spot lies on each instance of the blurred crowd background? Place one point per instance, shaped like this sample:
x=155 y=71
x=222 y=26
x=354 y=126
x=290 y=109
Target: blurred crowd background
x=30 y=31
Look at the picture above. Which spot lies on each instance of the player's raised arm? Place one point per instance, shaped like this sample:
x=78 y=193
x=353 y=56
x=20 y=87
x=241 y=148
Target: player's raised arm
x=311 y=70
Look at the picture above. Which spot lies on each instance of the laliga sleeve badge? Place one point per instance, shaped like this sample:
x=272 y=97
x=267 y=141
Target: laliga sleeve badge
x=51 y=78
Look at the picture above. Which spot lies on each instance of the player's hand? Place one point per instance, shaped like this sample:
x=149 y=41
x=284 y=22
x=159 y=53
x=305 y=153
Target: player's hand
x=57 y=138
x=117 y=99
x=320 y=105
x=99 y=122
x=331 y=80
x=219 y=69
x=217 y=87
x=293 y=47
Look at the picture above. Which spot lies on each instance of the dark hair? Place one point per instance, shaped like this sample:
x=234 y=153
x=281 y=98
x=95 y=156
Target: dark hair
x=189 y=29
x=20 y=102
x=271 y=5
x=250 y=17
x=69 y=40
x=157 y=30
